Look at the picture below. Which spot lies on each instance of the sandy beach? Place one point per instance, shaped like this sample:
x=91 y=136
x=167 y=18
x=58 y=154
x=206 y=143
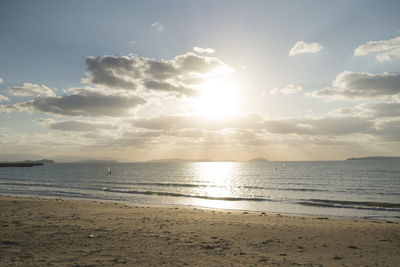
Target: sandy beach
x=58 y=232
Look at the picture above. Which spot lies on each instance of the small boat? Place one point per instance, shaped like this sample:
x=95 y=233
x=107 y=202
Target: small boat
x=109 y=170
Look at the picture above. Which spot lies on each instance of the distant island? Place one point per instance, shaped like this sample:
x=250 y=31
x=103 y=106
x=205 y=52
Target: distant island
x=258 y=160
x=27 y=163
x=374 y=158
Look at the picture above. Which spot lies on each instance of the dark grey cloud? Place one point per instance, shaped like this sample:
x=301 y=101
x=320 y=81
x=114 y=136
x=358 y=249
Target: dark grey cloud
x=328 y=126
x=380 y=110
x=92 y=105
x=81 y=126
x=251 y=121
x=356 y=85
x=168 y=87
x=373 y=111
x=115 y=72
x=161 y=70
x=389 y=130
x=177 y=76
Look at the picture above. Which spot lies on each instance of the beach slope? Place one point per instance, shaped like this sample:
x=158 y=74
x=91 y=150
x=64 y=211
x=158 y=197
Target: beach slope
x=54 y=232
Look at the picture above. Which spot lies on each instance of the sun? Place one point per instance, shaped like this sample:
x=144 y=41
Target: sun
x=218 y=99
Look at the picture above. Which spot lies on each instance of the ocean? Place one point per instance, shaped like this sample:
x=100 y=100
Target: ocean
x=353 y=188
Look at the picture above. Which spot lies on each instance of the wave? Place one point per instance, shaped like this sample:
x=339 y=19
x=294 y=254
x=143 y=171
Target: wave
x=370 y=205
x=163 y=184
x=170 y=194
x=25 y=184
x=214 y=186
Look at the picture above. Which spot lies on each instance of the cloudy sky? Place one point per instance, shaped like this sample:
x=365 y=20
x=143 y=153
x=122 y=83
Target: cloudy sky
x=140 y=80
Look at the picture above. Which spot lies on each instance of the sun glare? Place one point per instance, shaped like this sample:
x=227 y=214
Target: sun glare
x=218 y=99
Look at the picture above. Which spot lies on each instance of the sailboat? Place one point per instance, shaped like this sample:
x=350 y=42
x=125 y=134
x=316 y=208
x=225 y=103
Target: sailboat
x=109 y=170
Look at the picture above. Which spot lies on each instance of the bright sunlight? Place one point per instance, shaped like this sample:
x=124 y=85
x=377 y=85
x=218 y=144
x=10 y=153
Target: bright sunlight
x=218 y=99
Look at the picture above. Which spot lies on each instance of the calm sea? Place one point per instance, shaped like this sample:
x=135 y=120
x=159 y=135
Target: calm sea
x=368 y=189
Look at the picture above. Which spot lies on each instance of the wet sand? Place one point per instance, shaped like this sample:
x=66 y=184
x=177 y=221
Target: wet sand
x=55 y=232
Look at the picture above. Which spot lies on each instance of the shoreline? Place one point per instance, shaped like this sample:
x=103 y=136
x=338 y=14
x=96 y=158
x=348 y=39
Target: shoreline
x=64 y=232
x=388 y=219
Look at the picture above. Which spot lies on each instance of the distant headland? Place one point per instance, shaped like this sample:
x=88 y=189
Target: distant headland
x=374 y=158
x=258 y=160
x=27 y=163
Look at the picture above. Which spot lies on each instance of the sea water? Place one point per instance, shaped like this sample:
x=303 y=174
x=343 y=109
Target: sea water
x=353 y=188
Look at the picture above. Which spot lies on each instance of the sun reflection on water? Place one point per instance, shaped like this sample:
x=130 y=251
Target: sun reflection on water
x=220 y=178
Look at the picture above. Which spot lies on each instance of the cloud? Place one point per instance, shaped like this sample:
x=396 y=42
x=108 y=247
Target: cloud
x=380 y=110
x=359 y=85
x=17 y=107
x=30 y=89
x=194 y=122
x=326 y=126
x=203 y=50
x=4 y=98
x=345 y=133
x=91 y=105
x=1 y=81
x=290 y=89
x=168 y=87
x=115 y=72
x=157 y=26
x=81 y=126
x=385 y=50
x=389 y=130
x=302 y=47
x=178 y=76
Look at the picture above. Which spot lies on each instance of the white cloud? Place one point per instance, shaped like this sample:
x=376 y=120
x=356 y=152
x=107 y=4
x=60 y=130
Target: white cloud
x=29 y=89
x=290 y=89
x=359 y=85
x=4 y=98
x=302 y=47
x=1 y=81
x=203 y=50
x=385 y=50
x=158 y=26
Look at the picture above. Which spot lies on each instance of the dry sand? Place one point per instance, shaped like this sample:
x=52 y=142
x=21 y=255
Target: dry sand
x=50 y=232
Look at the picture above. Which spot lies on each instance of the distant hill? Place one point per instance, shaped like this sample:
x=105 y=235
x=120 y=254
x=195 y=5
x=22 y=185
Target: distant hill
x=44 y=161
x=258 y=160
x=26 y=163
x=374 y=158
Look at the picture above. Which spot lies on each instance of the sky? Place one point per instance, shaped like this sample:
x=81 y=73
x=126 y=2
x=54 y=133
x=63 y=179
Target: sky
x=220 y=80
